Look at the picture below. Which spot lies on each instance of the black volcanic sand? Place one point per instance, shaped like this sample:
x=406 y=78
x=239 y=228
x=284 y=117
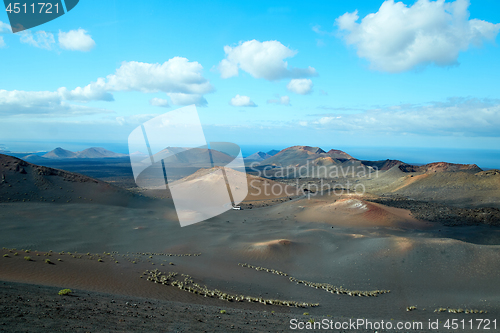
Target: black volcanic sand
x=34 y=308
x=419 y=266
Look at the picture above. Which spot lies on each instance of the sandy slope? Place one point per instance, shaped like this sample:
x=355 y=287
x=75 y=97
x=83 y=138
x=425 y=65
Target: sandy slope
x=458 y=188
x=419 y=265
x=21 y=181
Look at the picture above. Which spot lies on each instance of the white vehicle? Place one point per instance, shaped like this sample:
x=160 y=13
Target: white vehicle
x=237 y=207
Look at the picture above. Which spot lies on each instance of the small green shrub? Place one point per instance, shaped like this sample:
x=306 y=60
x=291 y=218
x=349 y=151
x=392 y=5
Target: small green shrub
x=223 y=311
x=306 y=313
x=27 y=258
x=63 y=292
x=100 y=260
x=16 y=254
x=5 y=255
x=47 y=261
x=59 y=259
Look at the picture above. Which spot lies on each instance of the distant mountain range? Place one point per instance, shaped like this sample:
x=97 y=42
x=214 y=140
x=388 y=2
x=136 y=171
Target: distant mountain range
x=298 y=156
x=295 y=156
x=260 y=155
x=302 y=155
x=60 y=153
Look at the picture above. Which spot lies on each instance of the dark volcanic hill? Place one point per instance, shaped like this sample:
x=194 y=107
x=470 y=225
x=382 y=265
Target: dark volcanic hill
x=302 y=155
x=60 y=153
x=258 y=156
x=440 y=167
x=97 y=152
x=192 y=157
x=383 y=164
x=273 y=152
x=33 y=158
x=93 y=152
x=21 y=181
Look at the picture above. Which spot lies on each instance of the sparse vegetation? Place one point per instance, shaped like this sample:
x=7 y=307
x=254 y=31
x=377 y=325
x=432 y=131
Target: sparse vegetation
x=16 y=254
x=190 y=286
x=100 y=260
x=5 y=255
x=64 y=292
x=223 y=311
x=27 y=258
x=47 y=261
x=306 y=313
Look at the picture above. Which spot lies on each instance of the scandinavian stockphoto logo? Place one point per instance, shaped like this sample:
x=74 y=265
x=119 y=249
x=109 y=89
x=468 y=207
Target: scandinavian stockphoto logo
x=31 y=13
x=170 y=152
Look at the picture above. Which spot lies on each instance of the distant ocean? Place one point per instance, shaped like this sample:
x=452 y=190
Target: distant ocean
x=484 y=158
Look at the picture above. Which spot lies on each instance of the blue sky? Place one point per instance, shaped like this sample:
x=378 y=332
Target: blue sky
x=328 y=73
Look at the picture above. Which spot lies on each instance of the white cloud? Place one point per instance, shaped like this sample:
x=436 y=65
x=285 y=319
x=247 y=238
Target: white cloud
x=300 y=86
x=18 y=102
x=134 y=119
x=261 y=60
x=399 y=38
x=40 y=39
x=76 y=40
x=458 y=116
x=187 y=99
x=159 y=102
x=4 y=26
x=241 y=101
x=177 y=75
x=180 y=79
x=95 y=91
x=317 y=29
x=283 y=100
